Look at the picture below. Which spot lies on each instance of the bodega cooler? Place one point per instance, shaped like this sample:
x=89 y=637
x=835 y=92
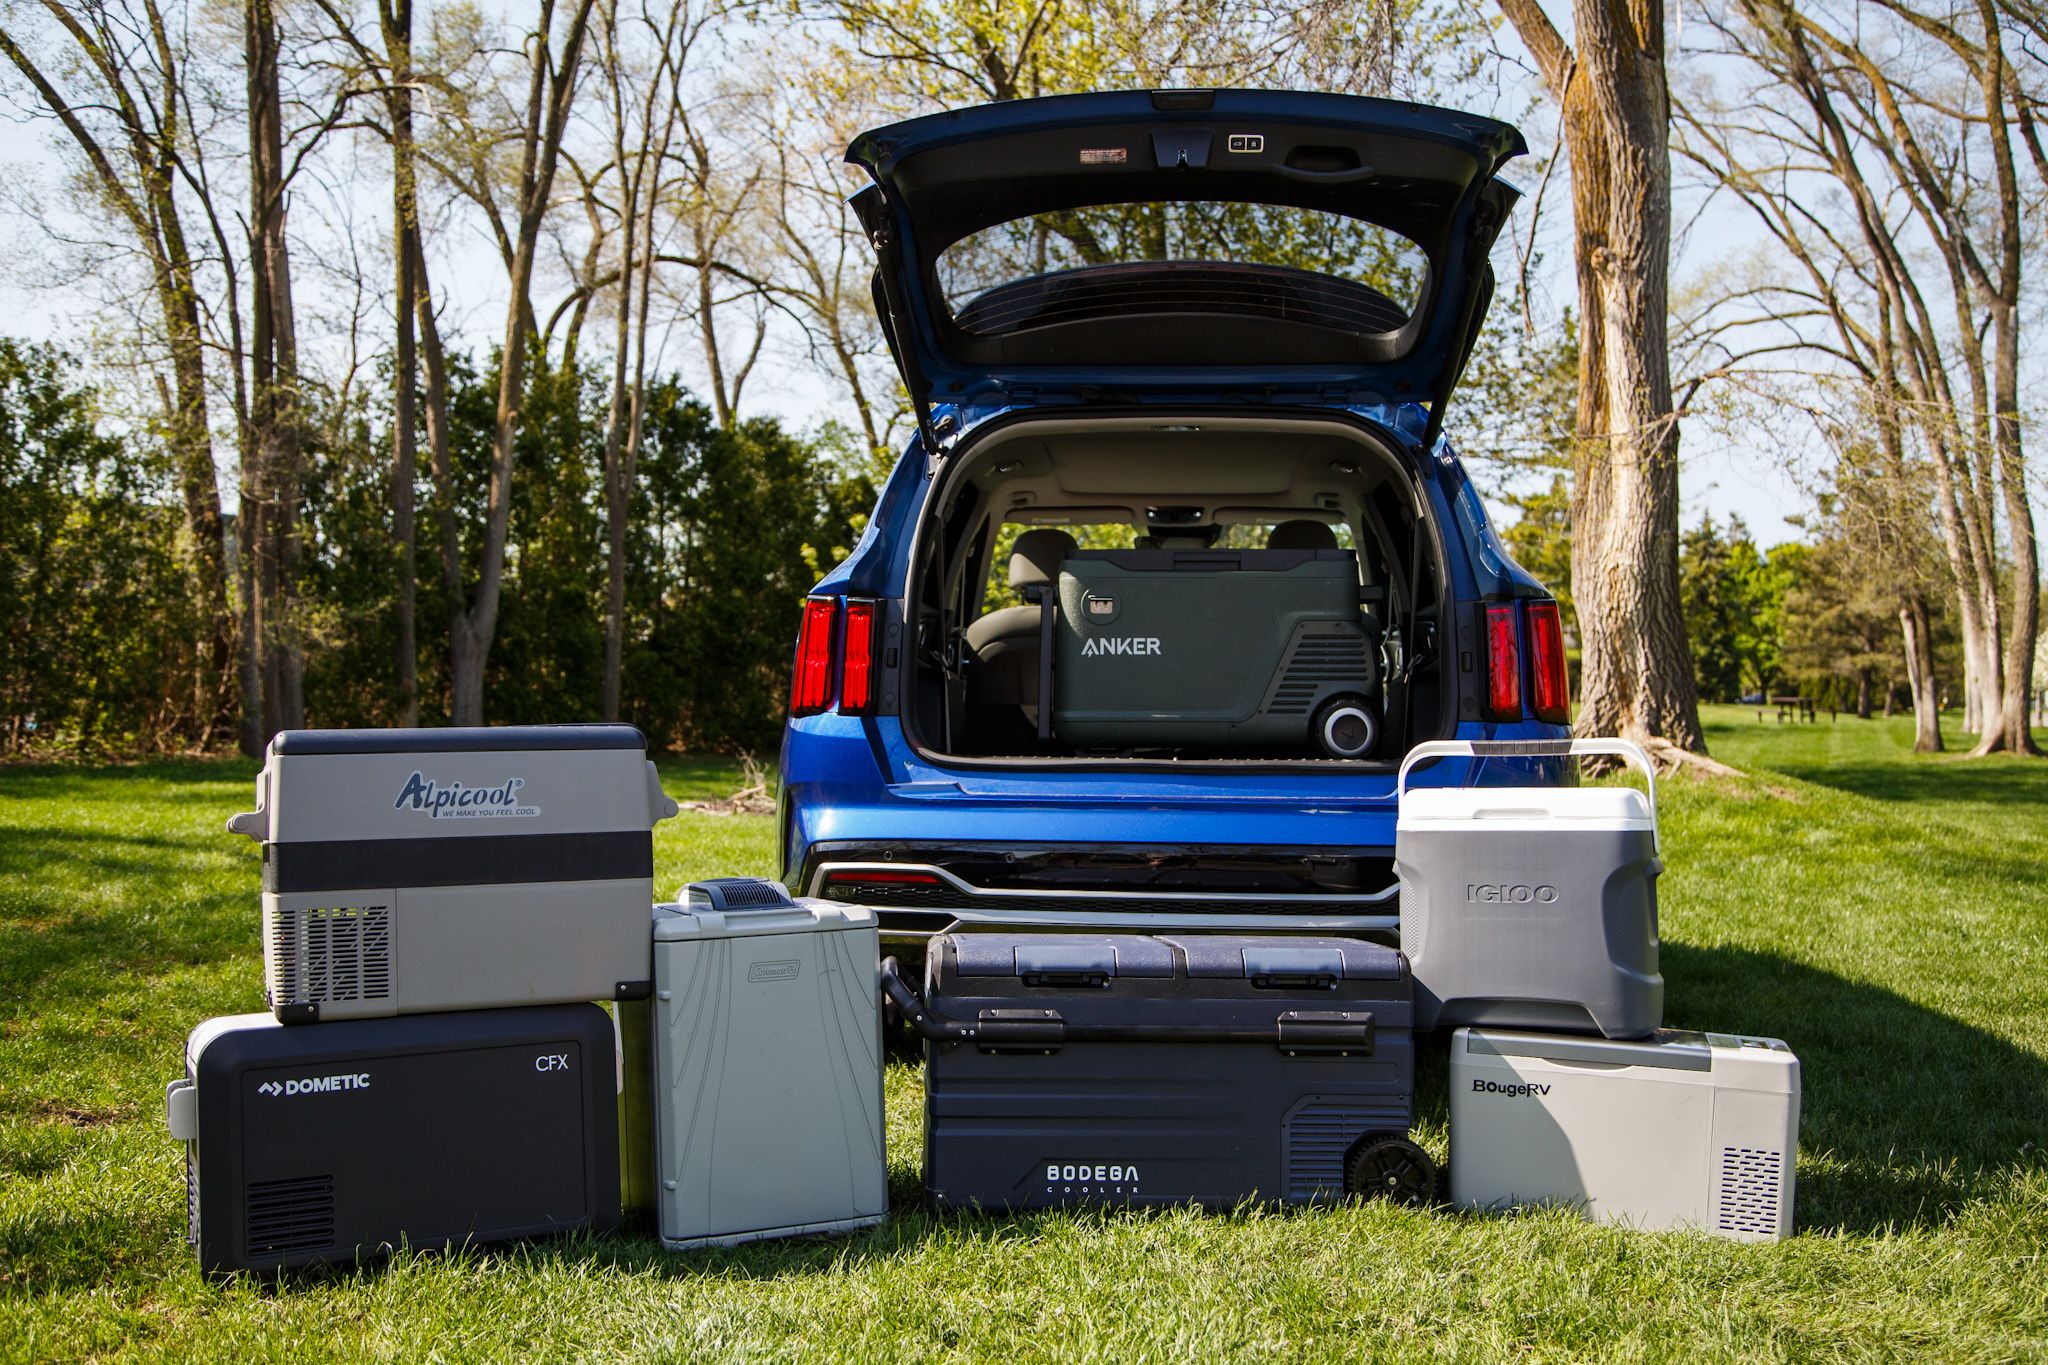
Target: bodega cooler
x=1228 y=649
x=1530 y=906
x=766 y=1084
x=1679 y=1130
x=338 y=1142
x=415 y=871
x=1132 y=1070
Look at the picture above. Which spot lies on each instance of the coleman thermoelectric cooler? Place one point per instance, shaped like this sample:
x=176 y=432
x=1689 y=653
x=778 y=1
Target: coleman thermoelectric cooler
x=1224 y=649
x=767 y=1062
x=1122 y=1069
x=407 y=871
x=1680 y=1130
x=337 y=1142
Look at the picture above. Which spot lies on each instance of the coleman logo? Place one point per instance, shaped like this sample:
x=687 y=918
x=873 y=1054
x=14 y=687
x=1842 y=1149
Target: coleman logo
x=1515 y=1092
x=1121 y=644
x=1500 y=893
x=1096 y=1175
x=457 y=802
x=316 y=1085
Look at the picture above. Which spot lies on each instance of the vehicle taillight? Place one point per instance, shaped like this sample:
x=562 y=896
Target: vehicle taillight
x=810 y=688
x=856 y=682
x=1550 y=687
x=1503 y=664
x=876 y=877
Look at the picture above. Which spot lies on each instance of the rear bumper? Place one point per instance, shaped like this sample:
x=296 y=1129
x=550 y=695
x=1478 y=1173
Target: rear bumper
x=918 y=891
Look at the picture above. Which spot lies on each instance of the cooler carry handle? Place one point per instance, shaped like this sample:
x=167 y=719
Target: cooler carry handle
x=1536 y=748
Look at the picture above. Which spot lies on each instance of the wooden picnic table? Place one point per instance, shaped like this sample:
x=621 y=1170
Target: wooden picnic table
x=1792 y=708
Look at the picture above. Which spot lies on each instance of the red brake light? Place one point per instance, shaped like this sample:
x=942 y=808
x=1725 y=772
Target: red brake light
x=810 y=689
x=1503 y=664
x=880 y=878
x=1550 y=689
x=856 y=683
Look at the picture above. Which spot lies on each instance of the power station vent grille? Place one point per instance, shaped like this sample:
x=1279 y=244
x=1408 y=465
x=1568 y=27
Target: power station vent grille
x=1318 y=660
x=1752 y=1186
x=334 y=953
x=290 y=1215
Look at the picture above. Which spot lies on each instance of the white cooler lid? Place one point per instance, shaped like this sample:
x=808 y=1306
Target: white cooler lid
x=1526 y=808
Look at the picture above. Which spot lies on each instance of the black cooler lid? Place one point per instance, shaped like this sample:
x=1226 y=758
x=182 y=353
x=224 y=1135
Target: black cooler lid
x=1342 y=959
x=1208 y=957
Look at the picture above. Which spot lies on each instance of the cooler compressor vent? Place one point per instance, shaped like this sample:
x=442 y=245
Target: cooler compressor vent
x=290 y=1215
x=1315 y=661
x=334 y=953
x=1752 y=1185
x=1319 y=1138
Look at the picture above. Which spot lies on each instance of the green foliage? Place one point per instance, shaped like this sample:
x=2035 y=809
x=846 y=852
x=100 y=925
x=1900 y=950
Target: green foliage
x=1841 y=628
x=1734 y=602
x=1541 y=542
x=1842 y=898
x=97 y=607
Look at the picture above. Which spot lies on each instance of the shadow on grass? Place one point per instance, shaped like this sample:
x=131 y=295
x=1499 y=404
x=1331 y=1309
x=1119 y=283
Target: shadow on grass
x=1995 y=781
x=1907 y=1114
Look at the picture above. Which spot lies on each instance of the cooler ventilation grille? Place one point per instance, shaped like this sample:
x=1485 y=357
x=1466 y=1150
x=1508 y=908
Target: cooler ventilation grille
x=286 y=1216
x=191 y=1194
x=1320 y=1136
x=1317 y=661
x=334 y=953
x=742 y=893
x=1752 y=1184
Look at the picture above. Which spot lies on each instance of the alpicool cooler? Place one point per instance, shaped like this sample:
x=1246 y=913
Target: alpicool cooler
x=336 y=1142
x=1531 y=907
x=1123 y=1069
x=1680 y=1130
x=412 y=871
x=767 y=1066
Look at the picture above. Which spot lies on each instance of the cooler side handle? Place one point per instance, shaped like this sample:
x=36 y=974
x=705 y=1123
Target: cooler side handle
x=1537 y=748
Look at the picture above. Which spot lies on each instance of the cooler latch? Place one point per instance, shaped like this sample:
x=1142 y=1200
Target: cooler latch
x=1041 y=1031
x=1301 y=1033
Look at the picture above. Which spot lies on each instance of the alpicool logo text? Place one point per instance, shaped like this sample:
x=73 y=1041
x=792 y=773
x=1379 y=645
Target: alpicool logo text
x=316 y=1085
x=455 y=801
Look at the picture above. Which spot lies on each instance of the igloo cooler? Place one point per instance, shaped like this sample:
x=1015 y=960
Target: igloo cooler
x=1130 y=1070
x=767 y=1066
x=1227 y=649
x=337 y=1142
x=414 y=871
x=1531 y=907
x=1679 y=1130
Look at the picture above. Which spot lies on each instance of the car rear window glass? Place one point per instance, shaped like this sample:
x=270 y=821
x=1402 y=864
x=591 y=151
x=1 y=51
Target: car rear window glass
x=1202 y=256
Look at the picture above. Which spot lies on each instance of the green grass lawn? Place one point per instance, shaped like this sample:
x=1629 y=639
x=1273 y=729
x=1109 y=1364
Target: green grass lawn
x=1884 y=913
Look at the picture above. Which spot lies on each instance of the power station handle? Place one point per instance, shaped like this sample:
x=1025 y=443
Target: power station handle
x=1536 y=748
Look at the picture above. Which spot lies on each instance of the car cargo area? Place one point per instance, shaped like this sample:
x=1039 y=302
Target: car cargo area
x=1157 y=589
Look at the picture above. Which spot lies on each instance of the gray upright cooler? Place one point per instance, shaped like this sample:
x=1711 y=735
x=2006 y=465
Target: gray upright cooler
x=1217 y=648
x=1121 y=1069
x=767 y=1084
x=1531 y=907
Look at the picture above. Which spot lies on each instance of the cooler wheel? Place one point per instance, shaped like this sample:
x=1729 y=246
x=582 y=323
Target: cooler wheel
x=1384 y=1167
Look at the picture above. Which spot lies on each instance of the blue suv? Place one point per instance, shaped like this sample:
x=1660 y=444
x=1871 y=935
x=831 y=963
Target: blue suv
x=1178 y=565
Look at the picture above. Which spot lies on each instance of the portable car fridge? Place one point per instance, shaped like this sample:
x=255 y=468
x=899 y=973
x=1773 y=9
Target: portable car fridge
x=1680 y=1130
x=413 y=871
x=1122 y=1069
x=1531 y=907
x=1222 y=648
x=339 y=1141
x=767 y=1055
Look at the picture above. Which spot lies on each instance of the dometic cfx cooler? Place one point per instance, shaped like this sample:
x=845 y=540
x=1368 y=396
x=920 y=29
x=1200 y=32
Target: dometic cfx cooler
x=337 y=1142
x=409 y=871
x=1120 y=1069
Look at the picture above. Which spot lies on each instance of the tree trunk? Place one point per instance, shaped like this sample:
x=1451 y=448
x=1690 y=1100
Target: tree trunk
x=276 y=407
x=1863 y=694
x=1920 y=675
x=1637 y=677
x=395 y=17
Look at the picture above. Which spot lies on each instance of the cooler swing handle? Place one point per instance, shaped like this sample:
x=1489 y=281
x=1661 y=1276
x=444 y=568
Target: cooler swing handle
x=1536 y=748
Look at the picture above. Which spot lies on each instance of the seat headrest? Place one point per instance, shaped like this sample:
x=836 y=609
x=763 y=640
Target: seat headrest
x=1301 y=535
x=1035 y=558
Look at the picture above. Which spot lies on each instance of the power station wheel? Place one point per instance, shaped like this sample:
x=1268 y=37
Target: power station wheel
x=1346 y=727
x=1383 y=1167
